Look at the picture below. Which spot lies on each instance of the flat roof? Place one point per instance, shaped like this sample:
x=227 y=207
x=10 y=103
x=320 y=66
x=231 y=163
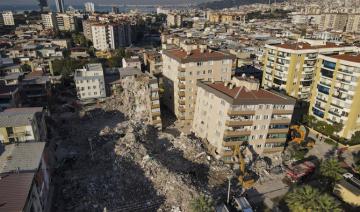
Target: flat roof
x=197 y=56
x=24 y=156
x=347 y=57
x=15 y=117
x=306 y=46
x=14 y=191
x=243 y=96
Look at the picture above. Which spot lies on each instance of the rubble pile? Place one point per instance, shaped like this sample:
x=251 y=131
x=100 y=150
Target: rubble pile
x=133 y=100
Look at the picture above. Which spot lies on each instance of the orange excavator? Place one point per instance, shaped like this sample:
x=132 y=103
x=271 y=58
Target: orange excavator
x=298 y=134
x=245 y=180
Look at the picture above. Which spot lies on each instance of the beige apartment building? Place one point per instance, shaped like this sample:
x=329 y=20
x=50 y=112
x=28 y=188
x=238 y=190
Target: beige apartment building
x=231 y=114
x=291 y=66
x=353 y=23
x=333 y=21
x=182 y=68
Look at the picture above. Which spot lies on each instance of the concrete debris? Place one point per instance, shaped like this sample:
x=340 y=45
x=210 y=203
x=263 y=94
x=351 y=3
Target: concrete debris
x=125 y=164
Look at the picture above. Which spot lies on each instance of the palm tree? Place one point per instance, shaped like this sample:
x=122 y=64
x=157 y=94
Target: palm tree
x=301 y=199
x=202 y=204
x=307 y=198
x=332 y=170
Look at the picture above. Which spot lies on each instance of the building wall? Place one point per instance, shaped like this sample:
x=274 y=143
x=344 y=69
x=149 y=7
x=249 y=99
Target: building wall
x=48 y=20
x=293 y=70
x=337 y=98
x=180 y=83
x=216 y=121
x=8 y=18
x=99 y=37
x=353 y=24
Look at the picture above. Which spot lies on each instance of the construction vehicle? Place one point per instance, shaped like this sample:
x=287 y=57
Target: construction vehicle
x=298 y=172
x=298 y=134
x=245 y=180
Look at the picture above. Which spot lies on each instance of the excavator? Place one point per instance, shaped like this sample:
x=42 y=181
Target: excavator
x=298 y=135
x=244 y=178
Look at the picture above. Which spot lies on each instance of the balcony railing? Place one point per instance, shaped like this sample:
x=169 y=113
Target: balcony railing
x=181 y=93
x=233 y=133
x=241 y=112
x=231 y=123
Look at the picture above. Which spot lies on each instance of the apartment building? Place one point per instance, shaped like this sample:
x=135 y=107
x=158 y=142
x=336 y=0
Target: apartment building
x=353 y=23
x=7 y=18
x=174 y=20
x=108 y=36
x=89 y=81
x=65 y=22
x=234 y=113
x=333 y=21
x=22 y=124
x=153 y=62
x=182 y=68
x=133 y=62
x=89 y=7
x=291 y=66
x=336 y=97
x=225 y=17
x=48 y=20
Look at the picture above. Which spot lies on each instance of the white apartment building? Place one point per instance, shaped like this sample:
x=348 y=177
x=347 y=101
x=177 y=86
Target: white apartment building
x=231 y=114
x=89 y=7
x=133 y=62
x=101 y=36
x=89 y=81
x=182 y=68
x=49 y=20
x=7 y=18
x=333 y=21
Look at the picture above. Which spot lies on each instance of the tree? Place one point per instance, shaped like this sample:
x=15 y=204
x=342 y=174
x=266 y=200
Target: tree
x=26 y=68
x=331 y=169
x=307 y=198
x=337 y=127
x=202 y=204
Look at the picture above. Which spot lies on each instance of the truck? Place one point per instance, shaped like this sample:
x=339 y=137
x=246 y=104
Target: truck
x=297 y=172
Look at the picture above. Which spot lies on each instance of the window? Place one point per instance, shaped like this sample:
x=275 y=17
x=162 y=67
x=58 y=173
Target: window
x=222 y=102
x=266 y=117
x=209 y=71
x=204 y=72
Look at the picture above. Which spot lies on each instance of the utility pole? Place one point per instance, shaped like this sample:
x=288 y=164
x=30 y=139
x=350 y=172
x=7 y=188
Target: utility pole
x=228 y=193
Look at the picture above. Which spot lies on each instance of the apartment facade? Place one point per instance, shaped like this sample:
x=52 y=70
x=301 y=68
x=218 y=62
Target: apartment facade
x=231 y=114
x=353 y=23
x=333 y=21
x=7 y=18
x=174 y=20
x=48 y=20
x=65 y=22
x=182 y=68
x=22 y=124
x=336 y=98
x=291 y=67
x=89 y=81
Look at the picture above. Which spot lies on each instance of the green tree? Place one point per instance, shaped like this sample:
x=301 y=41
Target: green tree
x=331 y=169
x=307 y=198
x=337 y=127
x=65 y=67
x=26 y=68
x=202 y=204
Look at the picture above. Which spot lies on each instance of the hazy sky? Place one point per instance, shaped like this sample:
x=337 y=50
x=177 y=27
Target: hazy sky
x=77 y=2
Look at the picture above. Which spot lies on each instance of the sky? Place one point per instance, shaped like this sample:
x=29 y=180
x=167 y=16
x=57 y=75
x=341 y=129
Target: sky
x=78 y=2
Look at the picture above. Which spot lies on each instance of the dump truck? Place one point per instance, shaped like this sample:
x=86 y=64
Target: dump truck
x=298 y=172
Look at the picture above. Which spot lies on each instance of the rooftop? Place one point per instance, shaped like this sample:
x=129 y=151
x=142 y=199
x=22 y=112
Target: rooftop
x=348 y=57
x=196 y=55
x=14 y=190
x=241 y=95
x=18 y=116
x=21 y=156
x=306 y=46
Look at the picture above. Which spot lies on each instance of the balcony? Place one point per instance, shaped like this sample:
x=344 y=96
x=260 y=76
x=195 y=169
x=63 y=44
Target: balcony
x=231 y=123
x=275 y=140
x=181 y=117
x=272 y=150
x=181 y=93
x=154 y=97
x=232 y=133
x=280 y=121
x=154 y=106
x=182 y=109
x=157 y=121
x=241 y=112
x=154 y=89
x=181 y=69
x=232 y=143
x=182 y=78
x=281 y=112
x=181 y=102
x=153 y=114
x=181 y=86
x=282 y=130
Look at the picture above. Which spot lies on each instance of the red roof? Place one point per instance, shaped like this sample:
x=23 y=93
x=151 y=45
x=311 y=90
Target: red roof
x=305 y=46
x=348 y=57
x=196 y=55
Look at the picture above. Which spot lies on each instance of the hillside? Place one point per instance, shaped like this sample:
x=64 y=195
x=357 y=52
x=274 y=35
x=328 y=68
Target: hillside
x=231 y=3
